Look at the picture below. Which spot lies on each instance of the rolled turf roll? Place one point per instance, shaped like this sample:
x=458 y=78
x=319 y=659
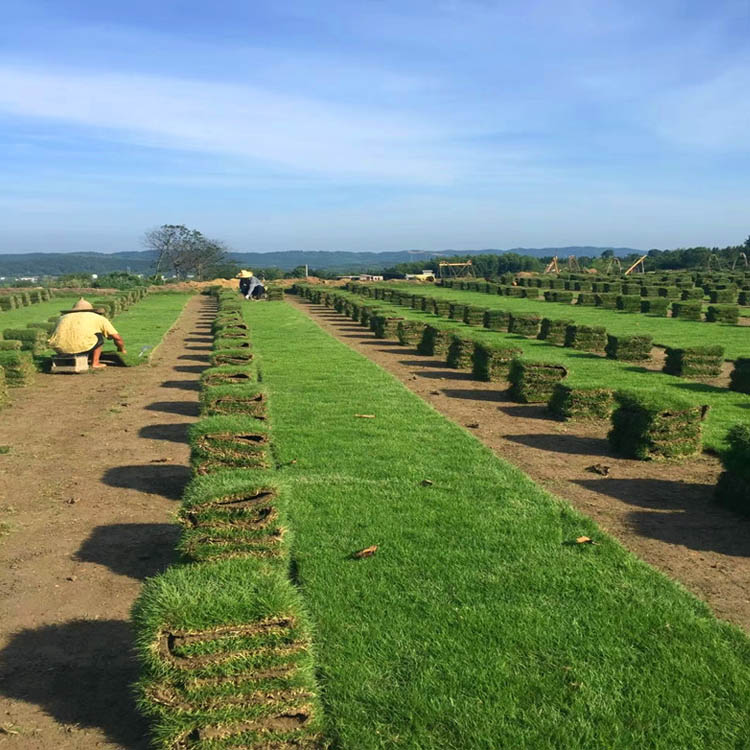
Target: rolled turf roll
x=225 y=442
x=18 y=366
x=695 y=361
x=629 y=348
x=491 y=362
x=245 y=400
x=410 y=332
x=648 y=425
x=581 y=403
x=534 y=382
x=733 y=488
x=739 y=380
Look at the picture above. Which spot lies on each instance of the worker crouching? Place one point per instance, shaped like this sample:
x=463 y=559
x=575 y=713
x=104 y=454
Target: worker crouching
x=251 y=287
x=82 y=330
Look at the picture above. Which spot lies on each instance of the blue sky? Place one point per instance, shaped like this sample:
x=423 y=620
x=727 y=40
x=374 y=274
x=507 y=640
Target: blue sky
x=376 y=125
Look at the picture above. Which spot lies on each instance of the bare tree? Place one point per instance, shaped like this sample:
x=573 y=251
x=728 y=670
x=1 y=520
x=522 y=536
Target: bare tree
x=184 y=250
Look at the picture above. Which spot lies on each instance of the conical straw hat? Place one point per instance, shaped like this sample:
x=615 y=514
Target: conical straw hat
x=81 y=306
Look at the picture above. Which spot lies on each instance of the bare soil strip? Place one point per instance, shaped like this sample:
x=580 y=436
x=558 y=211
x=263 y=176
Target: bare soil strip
x=663 y=512
x=96 y=466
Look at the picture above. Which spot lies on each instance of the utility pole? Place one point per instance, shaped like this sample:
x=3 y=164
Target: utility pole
x=306 y=271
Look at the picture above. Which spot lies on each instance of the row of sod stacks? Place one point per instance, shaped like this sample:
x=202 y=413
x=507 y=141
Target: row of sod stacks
x=629 y=303
x=653 y=426
x=723 y=314
x=436 y=341
x=496 y=320
x=385 y=325
x=491 y=362
x=739 y=380
x=581 y=403
x=586 y=338
x=534 y=382
x=636 y=348
x=4 y=396
x=14 y=300
x=688 y=310
x=223 y=641
x=524 y=325
x=695 y=361
x=32 y=340
x=474 y=316
x=18 y=366
x=553 y=331
x=733 y=488
x=655 y=306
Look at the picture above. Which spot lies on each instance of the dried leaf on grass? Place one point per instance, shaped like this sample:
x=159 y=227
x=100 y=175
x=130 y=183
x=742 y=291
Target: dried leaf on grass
x=585 y=540
x=366 y=552
x=365 y=416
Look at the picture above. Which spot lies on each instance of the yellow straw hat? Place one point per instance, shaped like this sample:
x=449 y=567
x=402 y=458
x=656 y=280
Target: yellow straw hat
x=81 y=306
x=244 y=274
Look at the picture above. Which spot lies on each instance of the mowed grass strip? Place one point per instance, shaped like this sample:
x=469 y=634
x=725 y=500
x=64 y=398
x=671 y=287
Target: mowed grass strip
x=587 y=369
x=674 y=332
x=479 y=622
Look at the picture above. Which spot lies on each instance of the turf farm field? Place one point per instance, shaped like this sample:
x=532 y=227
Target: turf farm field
x=315 y=557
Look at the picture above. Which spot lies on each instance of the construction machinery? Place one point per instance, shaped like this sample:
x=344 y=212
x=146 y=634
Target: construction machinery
x=744 y=257
x=456 y=270
x=611 y=263
x=637 y=266
x=552 y=266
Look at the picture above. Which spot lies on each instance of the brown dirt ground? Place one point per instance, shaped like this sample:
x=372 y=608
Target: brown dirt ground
x=97 y=464
x=663 y=512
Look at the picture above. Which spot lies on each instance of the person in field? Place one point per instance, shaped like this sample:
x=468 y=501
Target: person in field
x=82 y=330
x=251 y=287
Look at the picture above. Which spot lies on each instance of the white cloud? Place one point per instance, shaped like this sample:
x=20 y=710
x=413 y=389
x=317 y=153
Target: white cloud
x=240 y=120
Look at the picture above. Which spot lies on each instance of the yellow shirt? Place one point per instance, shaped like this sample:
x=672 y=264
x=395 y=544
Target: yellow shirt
x=76 y=332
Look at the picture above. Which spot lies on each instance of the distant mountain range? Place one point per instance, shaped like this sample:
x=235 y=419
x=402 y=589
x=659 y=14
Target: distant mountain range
x=55 y=264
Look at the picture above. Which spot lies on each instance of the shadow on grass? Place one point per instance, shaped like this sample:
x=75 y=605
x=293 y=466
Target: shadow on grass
x=678 y=513
x=573 y=444
x=185 y=408
x=173 y=433
x=80 y=673
x=183 y=385
x=157 y=479
x=701 y=387
x=136 y=550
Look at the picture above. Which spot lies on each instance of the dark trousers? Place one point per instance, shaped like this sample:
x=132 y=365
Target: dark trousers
x=99 y=342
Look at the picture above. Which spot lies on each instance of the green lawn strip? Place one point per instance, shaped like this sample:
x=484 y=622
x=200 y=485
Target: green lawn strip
x=666 y=331
x=37 y=313
x=479 y=622
x=143 y=326
x=594 y=371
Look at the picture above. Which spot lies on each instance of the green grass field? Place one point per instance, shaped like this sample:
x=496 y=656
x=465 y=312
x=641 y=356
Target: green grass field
x=479 y=622
x=585 y=369
x=666 y=331
x=37 y=313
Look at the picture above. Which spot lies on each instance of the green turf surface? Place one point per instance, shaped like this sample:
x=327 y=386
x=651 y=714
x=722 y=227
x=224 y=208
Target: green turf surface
x=479 y=623
x=592 y=370
x=666 y=331
x=143 y=326
x=36 y=313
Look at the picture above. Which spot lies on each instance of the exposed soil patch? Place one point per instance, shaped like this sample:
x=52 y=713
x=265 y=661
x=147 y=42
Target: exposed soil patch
x=88 y=491
x=663 y=512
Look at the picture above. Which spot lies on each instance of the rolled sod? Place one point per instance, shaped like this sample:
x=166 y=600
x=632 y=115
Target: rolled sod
x=229 y=375
x=12 y=345
x=695 y=361
x=719 y=314
x=648 y=426
x=607 y=300
x=457 y=311
x=410 y=332
x=231 y=514
x=19 y=368
x=232 y=342
x=733 y=488
x=460 y=352
x=441 y=307
x=739 y=379
x=436 y=341
x=229 y=442
x=525 y=325
x=629 y=303
x=474 y=316
x=491 y=362
x=693 y=292
x=275 y=294
x=722 y=296
x=385 y=326
x=581 y=403
x=629 y=348
x=586 y=338
x=553 y=331
x=496 y=320
x=534 y=382
x=245 y=400
x=586 y=298
x=32 y=339
x=225 y=659
x=231 y=357
x=688 y=310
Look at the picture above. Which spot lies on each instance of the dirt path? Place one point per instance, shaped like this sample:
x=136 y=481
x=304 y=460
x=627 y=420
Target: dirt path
x=662 y=512
x=96 y=466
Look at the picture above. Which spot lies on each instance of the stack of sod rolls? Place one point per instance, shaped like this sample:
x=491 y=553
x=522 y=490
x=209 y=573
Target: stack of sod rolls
x=410 y=332
x=436 y=341
x=629 y=303
x=525 y=325
x=739 y=380
x=586 y=298
x=496 y=320
x=723 y=314
x=223 y=641
x=553 y=331
x=580 y=403
x=460 y=352
x=695 y=361
x=607 y=300
x=384 y=324
x=19 y=367
x=32 y=340
x=586 y=338
x=655 y=306
x=733 y=488
x=688 y=310
x=629 y=348
x=534 y=382
x=646 y=426
x=457 y=311
x=275 y=294
x=491 y=362
x=474 y=316
x=4 y=396
x=441 y=307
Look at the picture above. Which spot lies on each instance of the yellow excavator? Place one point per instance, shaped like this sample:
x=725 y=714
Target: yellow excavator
x=637 y=266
